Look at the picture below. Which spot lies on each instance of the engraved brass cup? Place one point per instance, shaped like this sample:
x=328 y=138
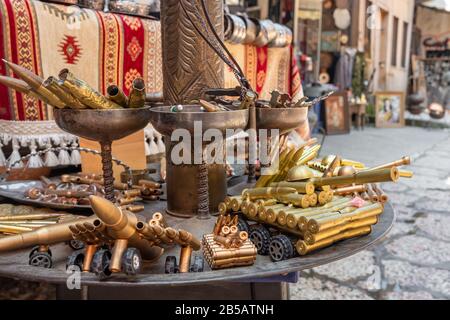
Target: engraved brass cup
x=183 y=180
x=104 y=126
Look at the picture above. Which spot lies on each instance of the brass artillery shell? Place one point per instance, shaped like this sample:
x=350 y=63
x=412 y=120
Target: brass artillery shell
x=298 y=200
x=303 y=248
x=84 y=93
x=115 y=94
x=380 y=193
x=56 y=88
x=267 y=193
x=134 y=209
x=372 y=176
x=15 y=84
x=137 y=94
x=224 y=241
x=149 y=184
x=350 y=190
x=312 y=198
x=127 y=201
x=132 y=193
x=311 y=238
x=373 y=210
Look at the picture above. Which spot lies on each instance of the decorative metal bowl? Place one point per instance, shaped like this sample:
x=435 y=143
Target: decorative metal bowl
x=283 y=119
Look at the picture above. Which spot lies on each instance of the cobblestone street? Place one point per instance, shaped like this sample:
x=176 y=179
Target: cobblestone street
x=413 y=261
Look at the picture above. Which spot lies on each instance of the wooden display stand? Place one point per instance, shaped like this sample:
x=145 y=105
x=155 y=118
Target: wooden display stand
x=130 y=150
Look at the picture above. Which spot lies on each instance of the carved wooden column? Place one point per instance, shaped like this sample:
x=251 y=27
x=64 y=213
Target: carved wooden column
x=189 y=64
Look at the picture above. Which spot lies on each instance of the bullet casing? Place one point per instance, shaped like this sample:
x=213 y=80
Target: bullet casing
x=137 y=94
x=116 y=95
x=57 y=89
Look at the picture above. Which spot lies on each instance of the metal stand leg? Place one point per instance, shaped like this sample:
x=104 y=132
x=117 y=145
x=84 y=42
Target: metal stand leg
x=108 y=177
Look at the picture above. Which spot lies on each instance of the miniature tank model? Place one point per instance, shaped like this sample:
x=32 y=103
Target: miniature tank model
x=116 y=240
x=228 y=246
x=311 y=211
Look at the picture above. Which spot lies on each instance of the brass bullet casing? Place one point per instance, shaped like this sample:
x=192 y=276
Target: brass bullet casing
x=225 y=230
x=406 y=174
x=185 y=259
x=372 y=194
x=84 y=93
x=243 y=235
x=298 y=200
x=150 y=192
x=350 y=190
x=236 y=204
x=312 y=198
x=234 y=253
x=132 y=193
x=303 y=248
x=31 y=216
x=267 y=193
x=304 y=220
x=150 y=198
x=244 y=206
x=301 y=187
x=223 y=209
x=88 y=256
x=209 y=107
x=373 y=176
x=137 y=94
x=238 y=261
x=149 y=184
x=398 y=163
x=311 y=238
x=380 y=193
x=228 y=200
x=116 y=95
x=224 y=241
x=127 y=201
x=323 y=197
x=15 y=84
x=249 y=100
x=119 y=248
x=49 y=184
x=134 y=209
x=14 y=229
x=365 y=196
x=145 y=231
x=69 y=193
x=56 y=88
x=158 y=216
x=373 y=210
x=218 y=225
x=188 y=239
x=352 y=163
x=233 y=230
x=233 y=265
x=253 y=210
x=272 y=214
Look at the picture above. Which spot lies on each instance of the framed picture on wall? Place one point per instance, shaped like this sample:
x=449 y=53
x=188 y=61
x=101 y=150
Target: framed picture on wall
x=389 y=109
x=337 y=114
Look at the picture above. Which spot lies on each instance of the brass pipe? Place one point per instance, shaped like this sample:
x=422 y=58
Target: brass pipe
x=316 y=226
x=88 y=256
x=185 y=259
x=120 y=246
x=303 y=248
x=115 y=94
x=84 y=93
x=137 y=94
x=381 y=175
x=311 y=238
x=398 y=163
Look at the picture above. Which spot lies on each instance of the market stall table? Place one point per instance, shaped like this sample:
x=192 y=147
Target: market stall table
x=255 y=282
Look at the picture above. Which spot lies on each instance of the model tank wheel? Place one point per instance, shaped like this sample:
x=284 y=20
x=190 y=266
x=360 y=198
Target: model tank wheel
x=75 y=259
x=198 y=265
x=171 y=265
x=281 y=248
x=243 y=225
x=132 y=262
x=100 y=264
x=76 y=244
x=41 y=259
x=36 y=249
x=260 y=237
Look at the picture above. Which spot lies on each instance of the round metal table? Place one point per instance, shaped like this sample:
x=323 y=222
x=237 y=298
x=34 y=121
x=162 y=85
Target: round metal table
x=15 y=264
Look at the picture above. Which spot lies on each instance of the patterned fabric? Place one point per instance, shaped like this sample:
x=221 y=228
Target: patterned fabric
x=100 y=48
x=104 y=48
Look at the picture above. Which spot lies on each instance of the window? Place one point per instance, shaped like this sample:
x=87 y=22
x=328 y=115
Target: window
x=405 y=43
x=394 y=42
